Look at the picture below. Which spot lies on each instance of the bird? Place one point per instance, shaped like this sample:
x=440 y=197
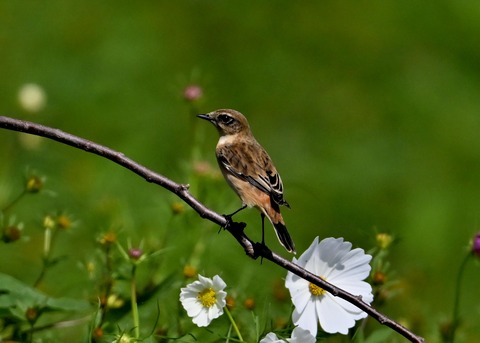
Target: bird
x=249 y=171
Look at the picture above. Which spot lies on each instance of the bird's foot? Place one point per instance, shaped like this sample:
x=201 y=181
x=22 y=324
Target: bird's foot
x=229 y=221
x=231 y=225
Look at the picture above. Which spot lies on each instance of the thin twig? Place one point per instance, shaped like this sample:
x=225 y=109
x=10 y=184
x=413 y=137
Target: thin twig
x=254 y=250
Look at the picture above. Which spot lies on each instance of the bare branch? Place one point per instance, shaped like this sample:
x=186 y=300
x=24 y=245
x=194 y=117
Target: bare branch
x=254 y=250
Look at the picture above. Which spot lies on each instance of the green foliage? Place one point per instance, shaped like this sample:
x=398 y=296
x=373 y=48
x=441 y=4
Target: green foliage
x=15 y=293
x=21 y=306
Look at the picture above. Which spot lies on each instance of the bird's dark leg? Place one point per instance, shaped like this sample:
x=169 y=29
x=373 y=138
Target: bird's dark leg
x=228 y=217
x=263 y=234
x=234 y=213
x=263 y=228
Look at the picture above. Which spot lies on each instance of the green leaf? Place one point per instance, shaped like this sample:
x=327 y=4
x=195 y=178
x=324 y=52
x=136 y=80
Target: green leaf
x=16 y=294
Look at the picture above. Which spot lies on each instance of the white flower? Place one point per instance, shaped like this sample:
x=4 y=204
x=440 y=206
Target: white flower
x=204 y=299
x=333 y=261
x=32 y=97
x=299 y=335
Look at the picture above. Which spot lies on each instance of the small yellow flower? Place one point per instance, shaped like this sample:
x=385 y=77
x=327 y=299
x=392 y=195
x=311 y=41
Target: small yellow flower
x=114 y=301
x=249 y=304
x=230 y=302
x=178 y=208
x=108 y=238
x=34 y=184
x=384 y=240
x=280 y=323
x=189 y=271
x=98 y=333
x=379 y=278
x=64 y=222
x=91 y=268
x=49 y=222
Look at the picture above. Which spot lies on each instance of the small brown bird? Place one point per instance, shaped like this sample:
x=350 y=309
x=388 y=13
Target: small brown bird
x=249 y=170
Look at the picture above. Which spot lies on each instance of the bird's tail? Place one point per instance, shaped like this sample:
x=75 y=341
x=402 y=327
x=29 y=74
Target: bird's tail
x=284 y=237
x=275 y=217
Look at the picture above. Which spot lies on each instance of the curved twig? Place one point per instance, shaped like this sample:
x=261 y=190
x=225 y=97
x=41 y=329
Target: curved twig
x=253 y=250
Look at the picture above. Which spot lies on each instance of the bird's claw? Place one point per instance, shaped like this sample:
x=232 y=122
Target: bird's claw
x=230 y=224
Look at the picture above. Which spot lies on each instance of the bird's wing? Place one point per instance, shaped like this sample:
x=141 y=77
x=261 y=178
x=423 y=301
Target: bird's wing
x=251 y=163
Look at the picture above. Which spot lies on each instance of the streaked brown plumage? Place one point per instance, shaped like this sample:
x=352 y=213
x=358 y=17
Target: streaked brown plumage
x=249 y=170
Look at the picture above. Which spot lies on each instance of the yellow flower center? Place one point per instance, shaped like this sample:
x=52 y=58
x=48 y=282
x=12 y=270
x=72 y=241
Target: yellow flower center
x=315 y=290
x=207 y=297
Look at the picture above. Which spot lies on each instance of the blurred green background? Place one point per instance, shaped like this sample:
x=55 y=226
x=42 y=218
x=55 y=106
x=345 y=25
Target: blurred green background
x=370 y=110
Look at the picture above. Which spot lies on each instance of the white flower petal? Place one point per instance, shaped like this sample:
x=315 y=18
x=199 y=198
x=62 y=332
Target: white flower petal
x=272 y=338
x=334 y=260
x=307 y=257
x=221 y=302
x=196 y=287
x=202 y=315
x=361 y=288
x=205 y=281
x=201 y=319
x=192 y=306
x=295 y=283
x=354 y=266
x=300 y=335
x=218 y=283
x=353 y=310
x=214 y=312
x=307 y=319
x=302 y=298
x=333 y=317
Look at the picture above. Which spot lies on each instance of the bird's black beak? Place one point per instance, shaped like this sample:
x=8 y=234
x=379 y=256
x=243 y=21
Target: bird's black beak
x=204 y=116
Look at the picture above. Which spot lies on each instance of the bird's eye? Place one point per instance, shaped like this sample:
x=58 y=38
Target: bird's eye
x=225 y=119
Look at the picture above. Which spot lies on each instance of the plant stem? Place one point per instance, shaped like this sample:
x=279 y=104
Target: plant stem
x=456 y=302
x=133 y=299
x=14 y=201
x=235 y=327
x=47 y=244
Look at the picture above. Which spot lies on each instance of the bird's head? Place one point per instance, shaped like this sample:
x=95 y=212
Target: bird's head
x=227 y=122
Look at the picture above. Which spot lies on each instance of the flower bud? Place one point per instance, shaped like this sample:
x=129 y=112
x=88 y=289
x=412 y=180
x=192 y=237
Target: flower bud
x=108 y=238
x=249 y=304
x=384 y=240
x=49 y=222
x=11 y=234
x=32 y=314
x=97 y=333
x=189 y=271
x=64 y=222
x=379 y=278
x=192 y=93
x=135 y=253
x=34 y=184
x=178 y=208
x=230 y=302
x=476 y=245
